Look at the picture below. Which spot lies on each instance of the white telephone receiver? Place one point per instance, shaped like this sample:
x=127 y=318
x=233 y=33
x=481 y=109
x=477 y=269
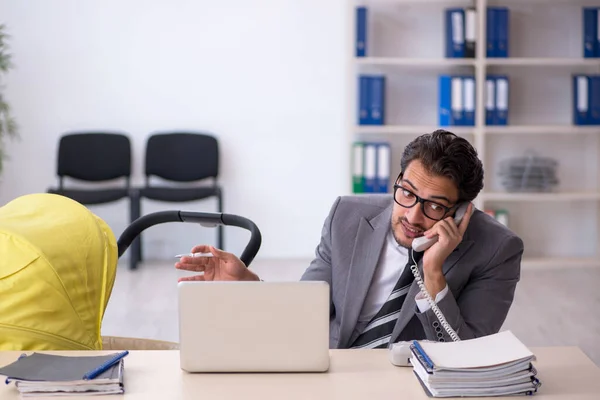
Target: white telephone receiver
x=422 y=243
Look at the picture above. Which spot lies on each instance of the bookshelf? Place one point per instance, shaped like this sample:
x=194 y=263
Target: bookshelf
x=406 y=45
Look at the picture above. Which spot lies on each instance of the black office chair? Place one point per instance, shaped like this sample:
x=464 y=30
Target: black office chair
x=95 y=157
x=183 y=157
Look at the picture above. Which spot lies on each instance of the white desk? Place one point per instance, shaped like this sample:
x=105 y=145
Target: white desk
x=565 y=372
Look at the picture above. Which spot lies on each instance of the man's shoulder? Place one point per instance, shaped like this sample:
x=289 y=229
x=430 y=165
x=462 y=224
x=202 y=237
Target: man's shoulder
x=485 y=229
x=364 y=205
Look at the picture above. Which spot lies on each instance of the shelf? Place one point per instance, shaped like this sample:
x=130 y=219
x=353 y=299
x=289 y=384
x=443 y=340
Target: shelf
x=415 y=62
x=557 y=196
x=541 y=129
x=410 y=130
x=543 y=61
x=559 y=262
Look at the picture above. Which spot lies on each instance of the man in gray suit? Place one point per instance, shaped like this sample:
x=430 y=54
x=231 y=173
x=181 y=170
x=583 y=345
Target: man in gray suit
x=365 y=254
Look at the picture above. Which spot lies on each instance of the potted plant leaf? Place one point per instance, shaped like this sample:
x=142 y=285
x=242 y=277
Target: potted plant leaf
x=8 y=126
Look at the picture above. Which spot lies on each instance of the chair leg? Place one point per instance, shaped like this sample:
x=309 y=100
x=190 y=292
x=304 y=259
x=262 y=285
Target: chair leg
x=135 y=249
x=220 y=243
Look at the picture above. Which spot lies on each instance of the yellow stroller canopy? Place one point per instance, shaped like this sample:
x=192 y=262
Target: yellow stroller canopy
x=57 y=269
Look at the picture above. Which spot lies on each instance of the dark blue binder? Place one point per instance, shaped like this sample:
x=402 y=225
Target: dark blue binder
x=502 y=99
x=455 y=33
x=581 y=100
x=590 y=35
x=595 y=99
x=364 y=87
x=361 y=31
x=377 y=100
x=491 y=33
x=445 y=100
x=490 y=100
x=503 y=31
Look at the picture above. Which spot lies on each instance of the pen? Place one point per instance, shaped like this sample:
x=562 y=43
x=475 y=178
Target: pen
x=423 y=354
x=104 y=367
x=194 y=255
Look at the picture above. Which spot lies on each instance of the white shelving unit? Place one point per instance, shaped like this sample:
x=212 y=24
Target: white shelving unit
x=406 y=43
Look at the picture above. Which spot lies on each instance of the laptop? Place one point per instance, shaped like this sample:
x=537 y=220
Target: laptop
x=254 y=326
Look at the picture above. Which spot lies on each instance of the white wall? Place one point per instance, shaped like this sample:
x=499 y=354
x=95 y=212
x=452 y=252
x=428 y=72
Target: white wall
x=265 y=76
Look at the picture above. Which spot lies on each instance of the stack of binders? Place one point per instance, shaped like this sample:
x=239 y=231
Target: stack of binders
x=371 y=100
x=461 y=32
x=497 y=32
x=496 y=100
x=494 y=365
x=586 y=99
x=457 y=100
x=371 y=166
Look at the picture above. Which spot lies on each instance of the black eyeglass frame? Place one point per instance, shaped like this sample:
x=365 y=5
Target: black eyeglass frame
x=421 y=201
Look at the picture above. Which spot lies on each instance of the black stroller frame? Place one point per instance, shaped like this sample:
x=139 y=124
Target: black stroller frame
x=210 y=220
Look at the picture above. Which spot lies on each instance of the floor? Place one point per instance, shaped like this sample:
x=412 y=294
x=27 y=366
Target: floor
x=552 y=307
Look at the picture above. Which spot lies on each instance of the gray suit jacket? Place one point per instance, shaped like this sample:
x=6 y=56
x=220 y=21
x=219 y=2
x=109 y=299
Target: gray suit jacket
x=481 y=273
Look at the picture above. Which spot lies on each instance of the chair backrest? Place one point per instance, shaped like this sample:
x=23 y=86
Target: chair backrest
x=94 y=156
x=182 y=156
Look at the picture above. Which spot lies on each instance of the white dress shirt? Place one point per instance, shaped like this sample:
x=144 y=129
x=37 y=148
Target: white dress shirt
x=389 y=268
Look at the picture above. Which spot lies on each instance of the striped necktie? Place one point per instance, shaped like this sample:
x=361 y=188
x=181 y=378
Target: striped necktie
x=378 y=332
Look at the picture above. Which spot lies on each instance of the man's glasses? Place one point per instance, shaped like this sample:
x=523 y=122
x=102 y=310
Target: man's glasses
x=408 y=199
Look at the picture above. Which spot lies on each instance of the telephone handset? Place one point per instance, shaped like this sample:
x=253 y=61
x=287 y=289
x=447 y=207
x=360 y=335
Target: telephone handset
x=400 y=352
x=422 y=243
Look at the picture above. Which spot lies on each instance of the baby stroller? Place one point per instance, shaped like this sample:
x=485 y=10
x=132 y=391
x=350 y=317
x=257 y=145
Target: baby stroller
x=58 y=264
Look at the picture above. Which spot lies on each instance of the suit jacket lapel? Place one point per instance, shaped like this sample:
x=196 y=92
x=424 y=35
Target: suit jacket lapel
x=369 y=242
x=409 y=307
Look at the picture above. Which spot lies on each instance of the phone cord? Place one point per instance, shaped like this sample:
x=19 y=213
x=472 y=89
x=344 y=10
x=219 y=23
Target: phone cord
x=434 y=307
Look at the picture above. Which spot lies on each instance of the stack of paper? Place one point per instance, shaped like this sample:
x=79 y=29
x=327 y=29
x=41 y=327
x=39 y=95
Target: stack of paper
x=43 y=374
x=494 y=365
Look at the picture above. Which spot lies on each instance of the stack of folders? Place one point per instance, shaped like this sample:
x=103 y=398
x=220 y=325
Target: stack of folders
x=461 y=32
x=494 y=365
x=371 y=165
x=457 y=100
x=41 y=375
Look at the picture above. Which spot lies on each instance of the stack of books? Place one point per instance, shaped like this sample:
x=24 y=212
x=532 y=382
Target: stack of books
x=494 y=365
x=41 y=374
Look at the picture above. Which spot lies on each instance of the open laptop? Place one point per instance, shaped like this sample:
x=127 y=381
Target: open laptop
x=254 y=326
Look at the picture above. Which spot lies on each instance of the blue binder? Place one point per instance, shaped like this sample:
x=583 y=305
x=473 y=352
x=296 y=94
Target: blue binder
x=503 y=31
x=377 y=100
x=490 y=100
x=581 y=100
x=383 y=172
x=361 y=31
x=370 y=168
x=445 y=99
x=364 y=99
x=491 y=33
x=502 y=100
x=457 y=101
x=590 y=35
x=469 y=100
x=595 y=99
x=455 y=33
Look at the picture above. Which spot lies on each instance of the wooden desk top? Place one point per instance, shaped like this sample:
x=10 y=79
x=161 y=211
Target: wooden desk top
x=565 y=372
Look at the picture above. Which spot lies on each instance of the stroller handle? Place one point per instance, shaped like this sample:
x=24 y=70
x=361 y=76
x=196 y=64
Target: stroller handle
x=204 y=219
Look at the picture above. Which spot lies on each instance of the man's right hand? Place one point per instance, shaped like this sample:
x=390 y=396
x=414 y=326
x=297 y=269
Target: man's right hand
x=222 y=266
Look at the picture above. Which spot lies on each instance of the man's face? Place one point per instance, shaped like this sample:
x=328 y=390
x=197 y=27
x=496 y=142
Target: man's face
x=409 y=223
